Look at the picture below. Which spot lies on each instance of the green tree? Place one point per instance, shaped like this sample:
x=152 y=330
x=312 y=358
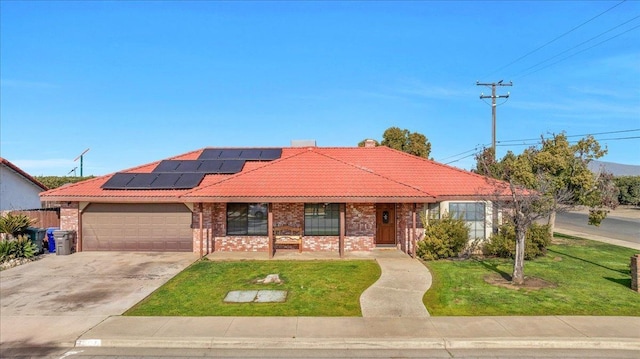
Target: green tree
x=546 y=179
x=629 y=188
x=413 y=143
x=57 y=181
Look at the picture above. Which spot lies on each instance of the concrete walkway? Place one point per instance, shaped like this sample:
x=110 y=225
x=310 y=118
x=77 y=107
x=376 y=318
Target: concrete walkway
x=557 y=332
x=399 y=291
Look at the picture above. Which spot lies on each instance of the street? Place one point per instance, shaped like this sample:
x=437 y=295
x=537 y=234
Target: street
x=621 y=228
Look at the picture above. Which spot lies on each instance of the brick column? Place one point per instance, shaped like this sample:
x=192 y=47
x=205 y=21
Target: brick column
x=635 y=272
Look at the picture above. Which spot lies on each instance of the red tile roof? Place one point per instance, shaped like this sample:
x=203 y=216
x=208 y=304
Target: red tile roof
x=313 y=174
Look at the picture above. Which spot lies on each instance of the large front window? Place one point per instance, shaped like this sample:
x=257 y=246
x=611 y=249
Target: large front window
x=473 y=214
x=247 y=219
x=321 y=219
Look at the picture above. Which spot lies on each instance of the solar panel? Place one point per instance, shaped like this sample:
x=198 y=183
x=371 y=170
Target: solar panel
x=210 y=154
x=269 y=154
x=231 y=166
x=165 y=180
x=210 y=166
x=251 y=154
x=231 y=154
x=118 y=181
x=142 y=180
x=188 y=166
x=167 y=166
x=188 y=180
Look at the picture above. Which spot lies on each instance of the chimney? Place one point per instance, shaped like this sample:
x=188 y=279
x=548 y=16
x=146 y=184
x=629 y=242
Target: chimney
x=369 y=143
x=303 y=143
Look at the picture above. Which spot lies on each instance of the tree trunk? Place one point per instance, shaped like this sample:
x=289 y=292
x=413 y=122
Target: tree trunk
x=552 y=222
x=518 y=264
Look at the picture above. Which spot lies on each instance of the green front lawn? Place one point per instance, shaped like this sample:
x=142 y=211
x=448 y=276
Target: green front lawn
x=315 y=288
x=590 y=278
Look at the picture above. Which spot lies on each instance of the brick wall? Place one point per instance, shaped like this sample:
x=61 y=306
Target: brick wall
x=635 y=272
x=360 y=227
x=288 y=214
x=404 y=233
x=242 y=244
x=69 y=216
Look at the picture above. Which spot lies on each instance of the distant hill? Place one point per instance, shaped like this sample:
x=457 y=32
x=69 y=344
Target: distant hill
x=616 y=169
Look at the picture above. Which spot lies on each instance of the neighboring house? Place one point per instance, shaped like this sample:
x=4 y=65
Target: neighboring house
x=229 y=199
x=18 y=190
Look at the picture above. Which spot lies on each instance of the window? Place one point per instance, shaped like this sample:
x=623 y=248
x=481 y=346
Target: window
x=433 y=211
x=321 y=219
x=473 y=213
x=247 y=219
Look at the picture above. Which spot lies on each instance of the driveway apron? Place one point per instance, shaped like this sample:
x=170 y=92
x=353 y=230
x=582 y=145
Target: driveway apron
x=50 y=302
x=399 y=291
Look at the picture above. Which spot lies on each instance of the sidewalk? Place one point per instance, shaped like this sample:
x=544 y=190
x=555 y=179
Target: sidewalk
x=553 y=332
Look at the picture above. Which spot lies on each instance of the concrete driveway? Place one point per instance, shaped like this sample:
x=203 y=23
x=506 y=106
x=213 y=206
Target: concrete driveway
x=52 y=301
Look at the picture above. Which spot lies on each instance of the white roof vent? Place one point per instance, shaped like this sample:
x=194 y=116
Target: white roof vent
x=303 y=143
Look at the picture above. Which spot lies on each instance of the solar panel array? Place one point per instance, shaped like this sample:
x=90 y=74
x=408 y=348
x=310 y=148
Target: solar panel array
x=187 y=174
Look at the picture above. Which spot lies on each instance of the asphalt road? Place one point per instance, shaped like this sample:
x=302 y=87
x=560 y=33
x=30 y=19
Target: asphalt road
x=624 y=229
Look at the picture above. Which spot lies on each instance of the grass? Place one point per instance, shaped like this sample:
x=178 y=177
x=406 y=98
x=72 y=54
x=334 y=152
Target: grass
x=591 y=278
x=315 y=288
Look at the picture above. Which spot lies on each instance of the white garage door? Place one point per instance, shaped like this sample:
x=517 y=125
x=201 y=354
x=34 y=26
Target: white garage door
x=137 y=227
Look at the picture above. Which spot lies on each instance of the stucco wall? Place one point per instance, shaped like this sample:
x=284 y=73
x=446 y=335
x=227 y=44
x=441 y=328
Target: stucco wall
x=16 y=192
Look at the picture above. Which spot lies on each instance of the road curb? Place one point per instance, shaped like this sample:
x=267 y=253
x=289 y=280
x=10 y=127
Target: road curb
x=365 y=343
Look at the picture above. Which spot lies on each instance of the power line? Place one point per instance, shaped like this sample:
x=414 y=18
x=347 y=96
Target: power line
x=574 y=47
x=526 y=142
x=556 y=38
x=581 y=51
x=569 y=136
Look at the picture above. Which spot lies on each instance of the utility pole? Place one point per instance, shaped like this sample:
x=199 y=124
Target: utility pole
x=493 y=98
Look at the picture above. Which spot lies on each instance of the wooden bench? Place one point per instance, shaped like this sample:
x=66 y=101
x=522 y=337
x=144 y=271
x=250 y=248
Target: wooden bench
x=287 y=235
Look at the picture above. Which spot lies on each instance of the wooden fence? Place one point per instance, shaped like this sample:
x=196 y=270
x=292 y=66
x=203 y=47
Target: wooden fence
x=44 y=217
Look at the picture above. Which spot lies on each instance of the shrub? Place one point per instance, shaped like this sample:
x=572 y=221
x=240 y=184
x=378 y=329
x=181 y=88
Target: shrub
x=14 y=224
x=443 y=238
x=503 y=244
x=20 y=247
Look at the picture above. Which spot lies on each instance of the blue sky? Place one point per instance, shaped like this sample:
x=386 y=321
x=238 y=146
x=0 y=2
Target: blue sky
x=141 y=81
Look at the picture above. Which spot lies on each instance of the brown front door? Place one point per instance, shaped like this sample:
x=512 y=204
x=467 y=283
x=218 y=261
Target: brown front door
x=385 y=223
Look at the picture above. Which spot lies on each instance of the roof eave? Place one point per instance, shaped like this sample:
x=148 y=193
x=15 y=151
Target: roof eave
x=309 y=199
x=112 y=199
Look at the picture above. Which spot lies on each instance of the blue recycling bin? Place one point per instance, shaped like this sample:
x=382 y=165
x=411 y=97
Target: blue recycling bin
x=51 y=239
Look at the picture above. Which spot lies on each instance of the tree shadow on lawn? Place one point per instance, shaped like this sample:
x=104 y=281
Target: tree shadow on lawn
x=627 y=272
x=503 y=279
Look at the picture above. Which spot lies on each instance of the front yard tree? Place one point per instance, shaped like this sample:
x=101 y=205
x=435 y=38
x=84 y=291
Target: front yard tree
x=413 y=143
x=546 y=179
x=562 y=170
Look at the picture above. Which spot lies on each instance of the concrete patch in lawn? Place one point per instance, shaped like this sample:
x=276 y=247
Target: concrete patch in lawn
x=256 y=296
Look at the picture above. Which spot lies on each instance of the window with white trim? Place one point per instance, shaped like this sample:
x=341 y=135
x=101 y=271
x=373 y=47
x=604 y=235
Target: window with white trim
x=473 y=214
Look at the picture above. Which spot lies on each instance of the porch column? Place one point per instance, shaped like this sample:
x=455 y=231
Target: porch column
x=342 y=230
x=201 y=227
x=413 y=231
x=270 y=228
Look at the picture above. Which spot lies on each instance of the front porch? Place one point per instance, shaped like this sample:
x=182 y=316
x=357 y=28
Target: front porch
x=335 y=230
x=287 y=255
